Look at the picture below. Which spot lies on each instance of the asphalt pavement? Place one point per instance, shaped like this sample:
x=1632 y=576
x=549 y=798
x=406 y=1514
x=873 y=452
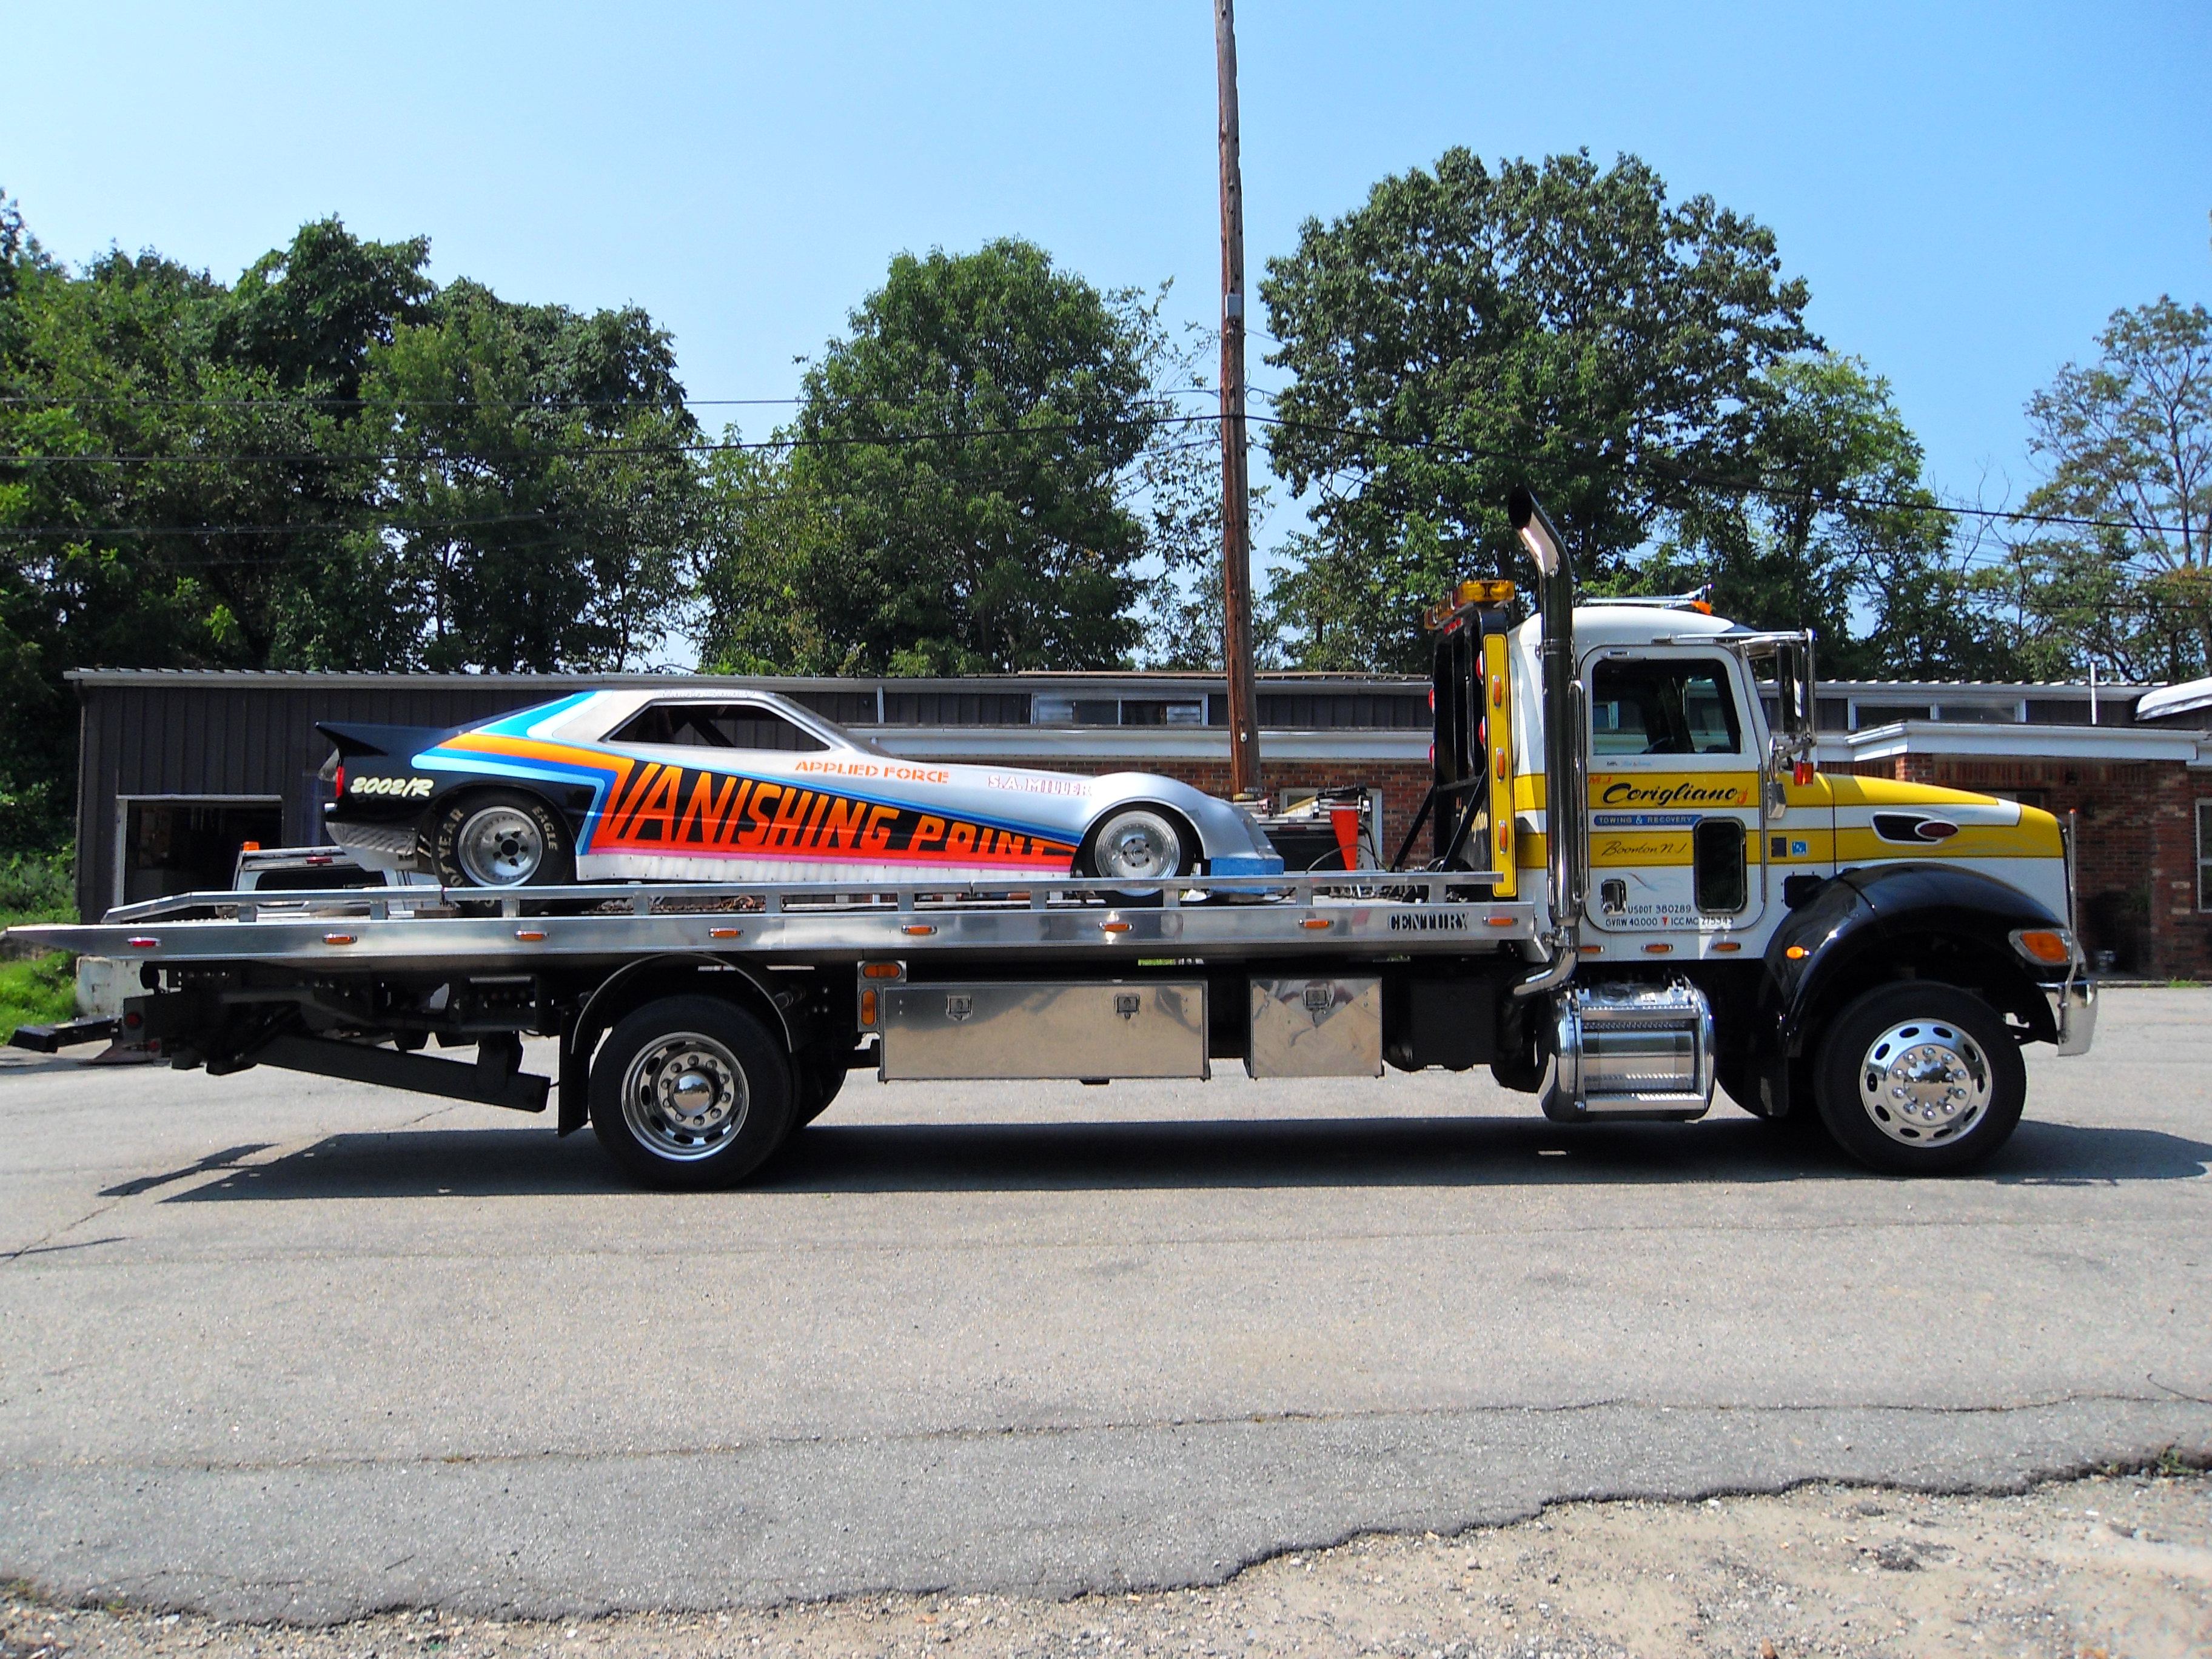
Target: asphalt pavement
x=277 y=1347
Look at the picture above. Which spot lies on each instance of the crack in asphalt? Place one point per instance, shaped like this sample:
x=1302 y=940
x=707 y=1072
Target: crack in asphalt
x=770 y=1443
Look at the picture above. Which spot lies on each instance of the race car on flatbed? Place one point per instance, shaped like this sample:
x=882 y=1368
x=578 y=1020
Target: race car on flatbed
x=682 y=785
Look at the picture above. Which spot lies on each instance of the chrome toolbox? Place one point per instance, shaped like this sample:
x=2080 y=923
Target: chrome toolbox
x=1315 y=1028
x=1098 y=1029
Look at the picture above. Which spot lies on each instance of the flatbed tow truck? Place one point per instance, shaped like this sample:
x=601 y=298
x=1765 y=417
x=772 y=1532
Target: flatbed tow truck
x=1863 y=957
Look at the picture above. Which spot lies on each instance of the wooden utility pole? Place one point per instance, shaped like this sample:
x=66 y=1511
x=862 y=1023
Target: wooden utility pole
x=1236 y=492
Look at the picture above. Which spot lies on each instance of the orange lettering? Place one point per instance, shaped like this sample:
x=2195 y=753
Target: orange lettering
x=927 y=830
x=735 y=819
x=756 y=831
x=842 y=827
x=618 y=824
x=814 y=818
x=876 y=837
x=658 y=813
x=705 y=810
x=961 y=839
x=790 y=826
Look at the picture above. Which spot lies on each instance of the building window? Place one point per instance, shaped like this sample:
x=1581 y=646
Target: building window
x=1048 y=709
x=2204 y=854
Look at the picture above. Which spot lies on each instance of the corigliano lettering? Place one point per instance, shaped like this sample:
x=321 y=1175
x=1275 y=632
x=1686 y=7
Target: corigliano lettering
x=1624 y=793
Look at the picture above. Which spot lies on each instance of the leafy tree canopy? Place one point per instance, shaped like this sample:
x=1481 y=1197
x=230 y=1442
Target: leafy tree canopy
x=2128 y=440
x=333 y=463
x=953 y=501
x=1466 y=329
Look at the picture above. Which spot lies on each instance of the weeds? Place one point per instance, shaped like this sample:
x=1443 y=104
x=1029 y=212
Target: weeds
x=38 y=991
x=38 y=887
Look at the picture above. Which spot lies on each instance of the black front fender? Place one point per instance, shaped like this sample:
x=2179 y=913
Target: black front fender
x=1885 y=921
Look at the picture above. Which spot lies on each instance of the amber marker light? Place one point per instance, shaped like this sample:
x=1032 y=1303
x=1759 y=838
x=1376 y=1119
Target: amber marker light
x=879 y=970
x=1498 y=921
x=868 y=1007
x=919 y=929
x=1729 y=945
x=1796 y=953
x=1114 y=926
x=339 y=939
x=529 y=935
x=2049 y=946
x=726 y=933
x=1658 y=948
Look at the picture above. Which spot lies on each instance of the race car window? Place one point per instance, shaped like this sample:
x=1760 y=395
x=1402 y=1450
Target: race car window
x=716 y=725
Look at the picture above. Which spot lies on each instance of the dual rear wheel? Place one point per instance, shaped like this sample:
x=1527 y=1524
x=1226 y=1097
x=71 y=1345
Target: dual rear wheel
x=691 y=1093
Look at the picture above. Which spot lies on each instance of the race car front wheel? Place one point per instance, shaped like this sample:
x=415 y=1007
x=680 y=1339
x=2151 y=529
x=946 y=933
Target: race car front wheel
x=500 y=838
x=1140 y=843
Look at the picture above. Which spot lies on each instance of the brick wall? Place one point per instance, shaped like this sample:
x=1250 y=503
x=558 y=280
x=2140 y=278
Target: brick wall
x=2136 y=855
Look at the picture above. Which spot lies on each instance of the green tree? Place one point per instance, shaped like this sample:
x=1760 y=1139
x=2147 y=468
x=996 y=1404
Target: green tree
x=1466 y=330
x=333 y=464
x=542 y=472
x=952 y=482
x=1830 y=526
x=2128 y=440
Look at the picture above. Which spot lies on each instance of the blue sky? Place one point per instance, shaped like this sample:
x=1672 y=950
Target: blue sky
x=1969 y=189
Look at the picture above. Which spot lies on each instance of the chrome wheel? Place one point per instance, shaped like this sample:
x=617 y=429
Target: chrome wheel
x=501 y=846
x=1924 y=1081
x=1137 y=845
x=685 y=1097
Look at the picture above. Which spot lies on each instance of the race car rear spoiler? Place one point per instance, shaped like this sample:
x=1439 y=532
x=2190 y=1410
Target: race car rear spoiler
x=404 y=742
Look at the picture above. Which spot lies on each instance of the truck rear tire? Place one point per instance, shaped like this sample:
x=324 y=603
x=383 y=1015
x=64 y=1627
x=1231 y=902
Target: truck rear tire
x=1919 y=1078
x=691 y=1093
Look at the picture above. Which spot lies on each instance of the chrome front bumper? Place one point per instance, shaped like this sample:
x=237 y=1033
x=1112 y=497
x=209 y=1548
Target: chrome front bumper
x=2073 y=1008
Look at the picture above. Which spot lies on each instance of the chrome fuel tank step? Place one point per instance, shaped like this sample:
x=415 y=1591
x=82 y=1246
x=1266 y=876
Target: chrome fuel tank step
x=1631 y=1048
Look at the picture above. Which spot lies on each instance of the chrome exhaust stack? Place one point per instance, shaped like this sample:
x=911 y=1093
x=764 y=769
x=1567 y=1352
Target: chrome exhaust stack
x=1566 y=807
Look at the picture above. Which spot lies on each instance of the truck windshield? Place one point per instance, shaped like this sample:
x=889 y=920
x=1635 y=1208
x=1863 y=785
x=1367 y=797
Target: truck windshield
x=1642 y=706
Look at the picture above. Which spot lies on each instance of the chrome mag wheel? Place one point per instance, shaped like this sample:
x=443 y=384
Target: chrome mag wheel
x=501 y=846
x=1137 y=845
x=1924 y=1081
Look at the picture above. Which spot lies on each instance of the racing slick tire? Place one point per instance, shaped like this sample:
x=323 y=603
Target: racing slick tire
x=691 y=1093
x=1919 y=1078
x=499 y=838
x=1137 y=841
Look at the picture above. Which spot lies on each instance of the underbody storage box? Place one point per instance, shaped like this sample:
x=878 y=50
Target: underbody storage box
x=1315 y=1028
x=1033 y=1030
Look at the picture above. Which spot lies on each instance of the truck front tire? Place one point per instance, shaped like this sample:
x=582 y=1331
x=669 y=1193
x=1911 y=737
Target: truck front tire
x=1919 y=1079
x=691 y=1093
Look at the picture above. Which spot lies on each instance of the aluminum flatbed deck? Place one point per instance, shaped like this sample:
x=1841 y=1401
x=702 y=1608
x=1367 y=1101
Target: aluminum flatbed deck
x=352 y=930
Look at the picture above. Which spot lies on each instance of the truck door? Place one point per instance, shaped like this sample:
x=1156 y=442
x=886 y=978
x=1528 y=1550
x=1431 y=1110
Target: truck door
x=1675 y=779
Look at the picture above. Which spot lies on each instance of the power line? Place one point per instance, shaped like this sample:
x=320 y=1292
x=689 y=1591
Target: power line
x=1679 y=474
x=63 y=400
x=700 y=447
